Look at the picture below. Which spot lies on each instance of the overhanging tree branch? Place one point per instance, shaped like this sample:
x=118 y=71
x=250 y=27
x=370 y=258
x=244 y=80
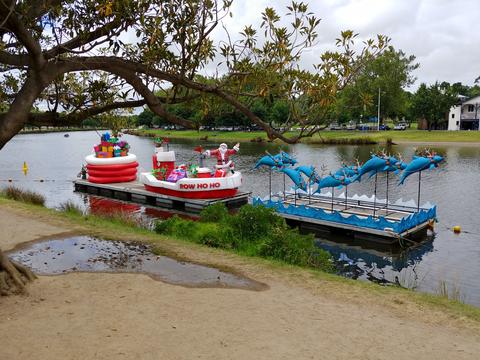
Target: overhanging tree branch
x=76 y=118
x=113 y=27
x=19 y=30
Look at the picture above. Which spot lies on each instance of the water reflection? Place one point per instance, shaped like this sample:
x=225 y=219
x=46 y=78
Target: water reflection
x=383 y=267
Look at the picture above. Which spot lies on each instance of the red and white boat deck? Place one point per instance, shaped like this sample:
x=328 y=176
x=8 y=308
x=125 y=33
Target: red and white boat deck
x=135 y=192
x=206 y=185
x=194 y=188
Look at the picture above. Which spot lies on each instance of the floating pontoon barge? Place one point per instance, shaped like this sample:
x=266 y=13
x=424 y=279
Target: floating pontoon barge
x=135 y=192
x=373 y=221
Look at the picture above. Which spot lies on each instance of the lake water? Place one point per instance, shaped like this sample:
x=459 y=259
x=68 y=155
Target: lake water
x=452 y=260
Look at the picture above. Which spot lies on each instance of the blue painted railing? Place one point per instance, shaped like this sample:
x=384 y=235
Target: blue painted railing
x=378 y=223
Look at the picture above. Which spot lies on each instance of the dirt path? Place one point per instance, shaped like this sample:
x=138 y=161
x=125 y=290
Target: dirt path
x=127 y=316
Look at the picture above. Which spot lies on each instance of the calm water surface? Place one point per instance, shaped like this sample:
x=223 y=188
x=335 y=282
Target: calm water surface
x=88 y=254
x=54 y=161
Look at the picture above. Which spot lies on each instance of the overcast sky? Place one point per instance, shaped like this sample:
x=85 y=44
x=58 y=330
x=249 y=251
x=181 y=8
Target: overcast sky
x=440 y=33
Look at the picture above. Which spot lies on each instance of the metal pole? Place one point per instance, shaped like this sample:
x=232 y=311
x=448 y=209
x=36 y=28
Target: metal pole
x=419 y=182
x=309 y=188
x=375 y=196
x=378 y=115
x=284 y=191
x=333 y=189
x=295 y=196
x=346 y=195
x=270 y=184
x=386 y=204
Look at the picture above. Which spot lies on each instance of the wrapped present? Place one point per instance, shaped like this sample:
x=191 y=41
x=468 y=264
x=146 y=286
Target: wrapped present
x=111 y=147
x=176 y=175
x=220 y=173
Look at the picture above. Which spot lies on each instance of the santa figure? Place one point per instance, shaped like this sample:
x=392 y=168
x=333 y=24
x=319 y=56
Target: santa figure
x=223 y=155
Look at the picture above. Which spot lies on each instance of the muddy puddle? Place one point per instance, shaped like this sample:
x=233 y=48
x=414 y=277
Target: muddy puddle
x=88 y=254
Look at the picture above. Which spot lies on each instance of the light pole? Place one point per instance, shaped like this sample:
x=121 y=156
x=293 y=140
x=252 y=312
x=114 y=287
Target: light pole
x=378 y=114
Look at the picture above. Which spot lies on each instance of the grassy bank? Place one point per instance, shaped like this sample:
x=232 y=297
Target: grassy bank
x=58 y=129
x=252 y=231
x=390 y=298
x=325 y=137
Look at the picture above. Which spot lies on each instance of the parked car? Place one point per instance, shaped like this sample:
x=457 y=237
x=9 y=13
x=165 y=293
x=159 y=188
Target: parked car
x=363 y=127
x=335 y=126
x=400 y=126
x=351 y=126
x=384 y=127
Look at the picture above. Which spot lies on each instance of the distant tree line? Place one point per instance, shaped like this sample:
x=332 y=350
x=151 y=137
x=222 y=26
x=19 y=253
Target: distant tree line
x=389 y=76
x=213 y=115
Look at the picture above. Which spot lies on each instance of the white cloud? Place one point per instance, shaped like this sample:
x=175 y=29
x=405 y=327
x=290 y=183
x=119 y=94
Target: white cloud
x=441 y=33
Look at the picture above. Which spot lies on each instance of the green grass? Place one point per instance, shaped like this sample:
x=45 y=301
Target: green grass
x=116 y=229
x=26 y=196
x=241 y=136
x=252 y=231
x=420 y=136
x=326 y=137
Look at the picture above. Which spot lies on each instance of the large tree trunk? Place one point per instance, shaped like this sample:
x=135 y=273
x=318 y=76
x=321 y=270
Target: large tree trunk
x=13 y=276
x=14 y=120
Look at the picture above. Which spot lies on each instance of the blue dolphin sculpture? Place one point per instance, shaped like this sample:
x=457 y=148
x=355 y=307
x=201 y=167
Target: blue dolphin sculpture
x=285 y=158
x=395 y=165
x=392 y=164
x=269 y=160
x=332 y=181
x=348 y=171
x=296 y=177
x=420 y=163
x=375 y=164
x=309 y=171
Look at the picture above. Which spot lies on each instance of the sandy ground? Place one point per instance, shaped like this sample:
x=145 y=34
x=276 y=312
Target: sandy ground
x=131 y=316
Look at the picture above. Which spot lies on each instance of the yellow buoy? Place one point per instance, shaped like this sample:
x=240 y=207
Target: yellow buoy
x=25 y=168
x=457 y=229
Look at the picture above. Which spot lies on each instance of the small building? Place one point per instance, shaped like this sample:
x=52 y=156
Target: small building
x=465 y=115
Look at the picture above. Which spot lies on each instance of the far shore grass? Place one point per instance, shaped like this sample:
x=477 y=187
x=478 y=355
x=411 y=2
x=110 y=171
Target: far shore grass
x=112 y=228
x=326 y=137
